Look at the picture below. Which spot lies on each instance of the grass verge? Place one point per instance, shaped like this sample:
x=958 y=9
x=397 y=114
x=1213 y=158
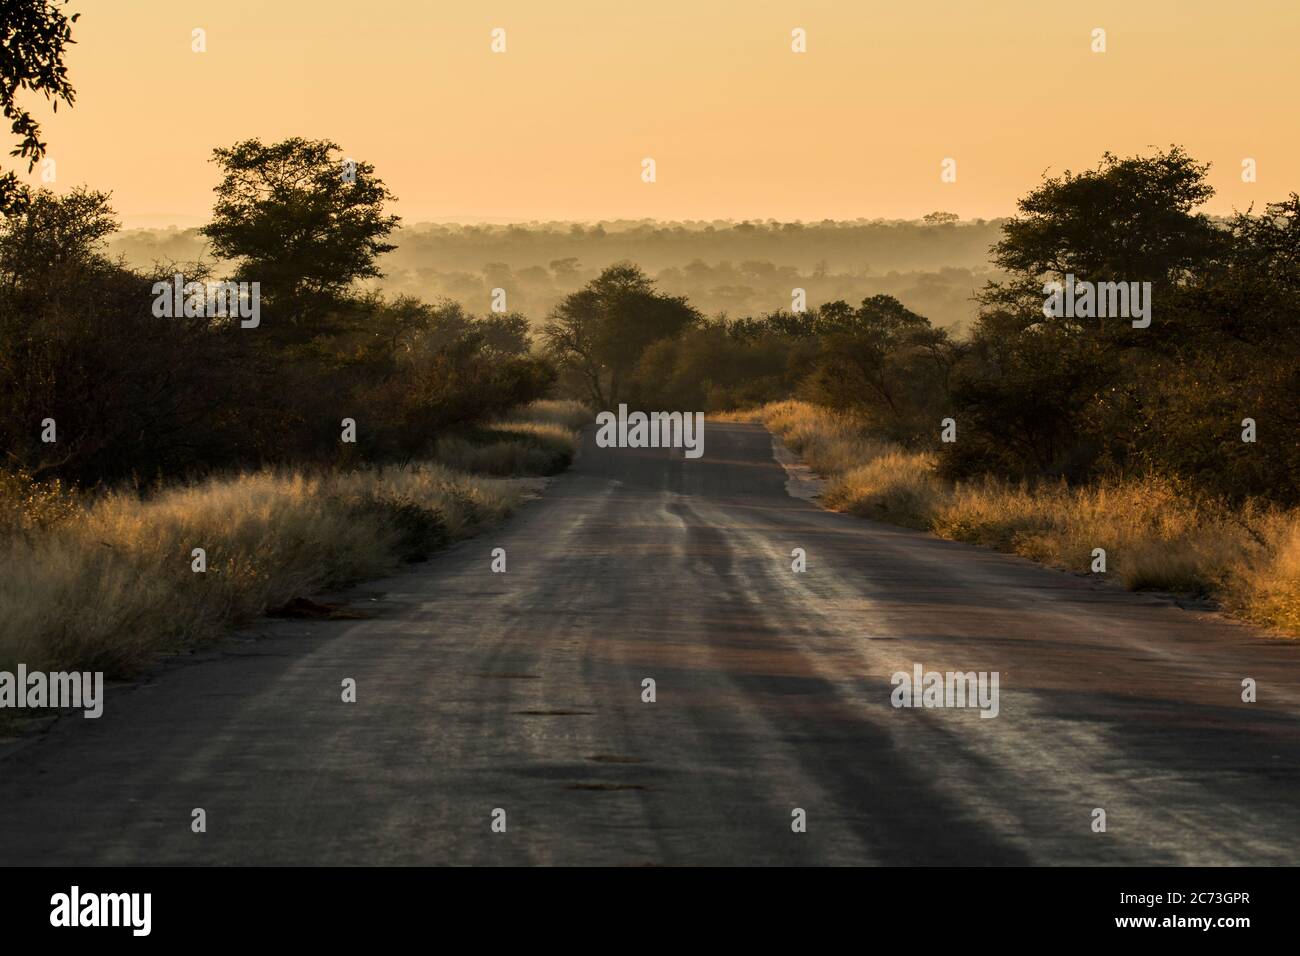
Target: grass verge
x=108 y=584
x=1156 y=534
x=538 y=440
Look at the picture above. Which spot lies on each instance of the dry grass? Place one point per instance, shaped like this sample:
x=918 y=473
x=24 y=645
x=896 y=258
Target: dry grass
x=1265 y=587
x=510 y=449
x=569 y=415
x=112 y=586
x=1156 y=534
x=109 y=584
x=539 y=439
x=894 y=485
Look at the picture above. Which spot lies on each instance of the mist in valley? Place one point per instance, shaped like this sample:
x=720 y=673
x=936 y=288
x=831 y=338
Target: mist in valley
x=737 y=269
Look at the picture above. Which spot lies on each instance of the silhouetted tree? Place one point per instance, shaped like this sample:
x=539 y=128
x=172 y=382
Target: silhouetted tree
x=884 y=362
x=602 y=329
x=128 y=392
x=33 y=35
x=51 y=235
x=301 y=221
x=1048 y=395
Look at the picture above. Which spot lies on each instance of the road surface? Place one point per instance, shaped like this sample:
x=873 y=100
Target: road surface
x=522 y=692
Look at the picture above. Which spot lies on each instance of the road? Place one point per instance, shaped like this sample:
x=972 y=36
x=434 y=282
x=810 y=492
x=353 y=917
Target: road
x=523 y=691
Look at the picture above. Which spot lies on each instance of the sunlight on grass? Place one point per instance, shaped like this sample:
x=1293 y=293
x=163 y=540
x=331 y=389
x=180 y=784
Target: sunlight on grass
x=107 y=584
x=1156 y=534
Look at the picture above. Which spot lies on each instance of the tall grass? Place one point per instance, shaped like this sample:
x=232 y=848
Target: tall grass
x=539 y=439
x=510 y=448
x=107 y=584
x=568 y=414
x=1156 y=534
x=112 y=584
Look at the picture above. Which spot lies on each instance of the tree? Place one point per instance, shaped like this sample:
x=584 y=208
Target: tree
x=51 y=234
x=130 y=392
x=33 y=34
x=883 y=361
x=601 y=330
x=565 y=268
x=1235 y=353
x=940 y=218
x=1064 y=395
x=299 y=220
x=570 y=337
x=1128 y=220
x=505 y=335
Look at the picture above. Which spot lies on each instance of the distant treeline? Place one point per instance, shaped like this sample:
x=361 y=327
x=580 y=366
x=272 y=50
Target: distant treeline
x=737 y=269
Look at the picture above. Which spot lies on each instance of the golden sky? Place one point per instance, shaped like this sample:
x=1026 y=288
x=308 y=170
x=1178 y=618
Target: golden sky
x=739 y=126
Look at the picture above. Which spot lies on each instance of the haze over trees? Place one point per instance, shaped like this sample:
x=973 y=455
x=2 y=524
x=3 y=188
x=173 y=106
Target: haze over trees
x=732 y=268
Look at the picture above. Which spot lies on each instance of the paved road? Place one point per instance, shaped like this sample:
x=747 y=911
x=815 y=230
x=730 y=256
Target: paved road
x=522 y=691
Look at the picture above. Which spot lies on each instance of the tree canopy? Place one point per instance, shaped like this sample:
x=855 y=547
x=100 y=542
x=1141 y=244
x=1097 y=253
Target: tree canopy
x=601 y=330
x=299 y=219
x=33 y=37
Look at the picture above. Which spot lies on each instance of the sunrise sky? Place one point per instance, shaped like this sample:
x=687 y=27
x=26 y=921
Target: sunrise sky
x=739 y=126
